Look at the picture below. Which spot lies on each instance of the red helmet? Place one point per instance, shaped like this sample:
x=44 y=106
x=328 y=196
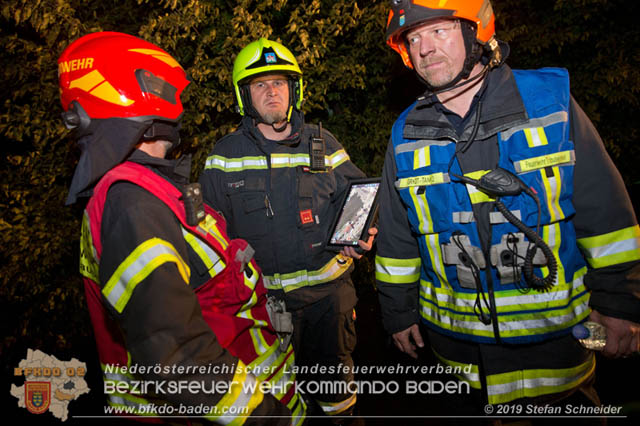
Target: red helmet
x=112 y=74
x=406 y=14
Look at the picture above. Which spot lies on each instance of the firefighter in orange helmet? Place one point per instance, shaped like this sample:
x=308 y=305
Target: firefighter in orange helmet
x=503 y=222
x=171 y=298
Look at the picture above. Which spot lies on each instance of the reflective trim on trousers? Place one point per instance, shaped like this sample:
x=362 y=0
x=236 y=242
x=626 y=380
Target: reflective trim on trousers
x=509 y=386
x=337 y=408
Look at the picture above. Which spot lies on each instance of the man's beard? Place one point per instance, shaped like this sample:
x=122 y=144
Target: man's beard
x=437 y=78
x=274 y=117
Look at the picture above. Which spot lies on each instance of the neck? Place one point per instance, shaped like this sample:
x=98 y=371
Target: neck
x=269 y=133
x=459 y=100
x=156 y=149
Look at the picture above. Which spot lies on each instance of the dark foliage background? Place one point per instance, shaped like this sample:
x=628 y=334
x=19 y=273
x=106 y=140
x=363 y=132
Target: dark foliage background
x=355 y=85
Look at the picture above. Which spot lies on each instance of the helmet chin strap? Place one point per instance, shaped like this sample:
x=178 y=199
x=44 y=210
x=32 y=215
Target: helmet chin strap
x=452 y=85
x=285 y=123
x=281 y=128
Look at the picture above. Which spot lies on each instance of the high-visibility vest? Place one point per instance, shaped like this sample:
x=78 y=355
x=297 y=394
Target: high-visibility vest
x=233 y=301
x=440 y=213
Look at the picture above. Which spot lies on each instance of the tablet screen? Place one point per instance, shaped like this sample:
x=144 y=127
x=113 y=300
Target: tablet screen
x=353 y=217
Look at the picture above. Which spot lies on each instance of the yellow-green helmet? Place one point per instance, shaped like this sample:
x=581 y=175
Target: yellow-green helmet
x=265 y=57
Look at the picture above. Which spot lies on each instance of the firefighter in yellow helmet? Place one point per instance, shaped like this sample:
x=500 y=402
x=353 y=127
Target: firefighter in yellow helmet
x=174 y=303
x=503 y=222
x=277 y=179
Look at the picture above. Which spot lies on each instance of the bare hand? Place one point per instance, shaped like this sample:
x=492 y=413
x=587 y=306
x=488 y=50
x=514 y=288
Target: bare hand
x=404 y=344
x=365 y=246
x=623 y=337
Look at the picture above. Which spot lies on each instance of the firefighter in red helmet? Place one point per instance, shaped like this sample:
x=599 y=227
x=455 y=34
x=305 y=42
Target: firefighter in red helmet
x=503 y=222
x=171 y=298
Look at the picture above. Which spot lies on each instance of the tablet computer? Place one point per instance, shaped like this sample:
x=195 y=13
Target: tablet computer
x=358 y=210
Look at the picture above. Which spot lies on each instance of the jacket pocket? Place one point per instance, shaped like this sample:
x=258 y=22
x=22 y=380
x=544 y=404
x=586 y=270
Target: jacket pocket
x=250 y=209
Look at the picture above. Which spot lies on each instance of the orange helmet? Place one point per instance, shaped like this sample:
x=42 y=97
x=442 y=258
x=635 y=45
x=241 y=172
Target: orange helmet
x=406 y=14
x=115 y=75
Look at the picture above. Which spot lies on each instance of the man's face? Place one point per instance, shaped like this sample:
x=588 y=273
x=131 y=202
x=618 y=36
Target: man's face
x=437 y=50
x=270 y=97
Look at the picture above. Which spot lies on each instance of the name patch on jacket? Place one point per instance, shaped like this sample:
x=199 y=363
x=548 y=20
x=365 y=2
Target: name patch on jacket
x=235 y=185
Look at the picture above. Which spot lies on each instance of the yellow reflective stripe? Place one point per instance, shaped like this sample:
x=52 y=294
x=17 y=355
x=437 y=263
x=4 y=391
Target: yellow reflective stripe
x=552 y=188
x=98 y=86
x=239 y=396
x=283 y=380
x=209 y=257
x=337 y=158
x=425 y=224
x=208 y=226
x=548 y=195
x=551 y=234
x=300 y=413
x=513 y=385
x=435 y=255
x=251 y=302
x=517 y=325
x=259 y=343
x=301 y=159
x=294 y=280
x=473 y=377
x=289 y=160
x=535 y=136
x=140 y=263
x=465 y=324
x=556 y=186
x=116 y=372
x=508 y=301
x=546 y=121
x=236 y=164
x=278 y=362
x=543 y=312
x=88 y=263
x=424 y=180
x=398 y=271
x=421 y=158
x=336 y=408
x=612 y=248
x=161 y=56
x=271 y=358
x=475 y=195
x=250 y=282
x=550 y=160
